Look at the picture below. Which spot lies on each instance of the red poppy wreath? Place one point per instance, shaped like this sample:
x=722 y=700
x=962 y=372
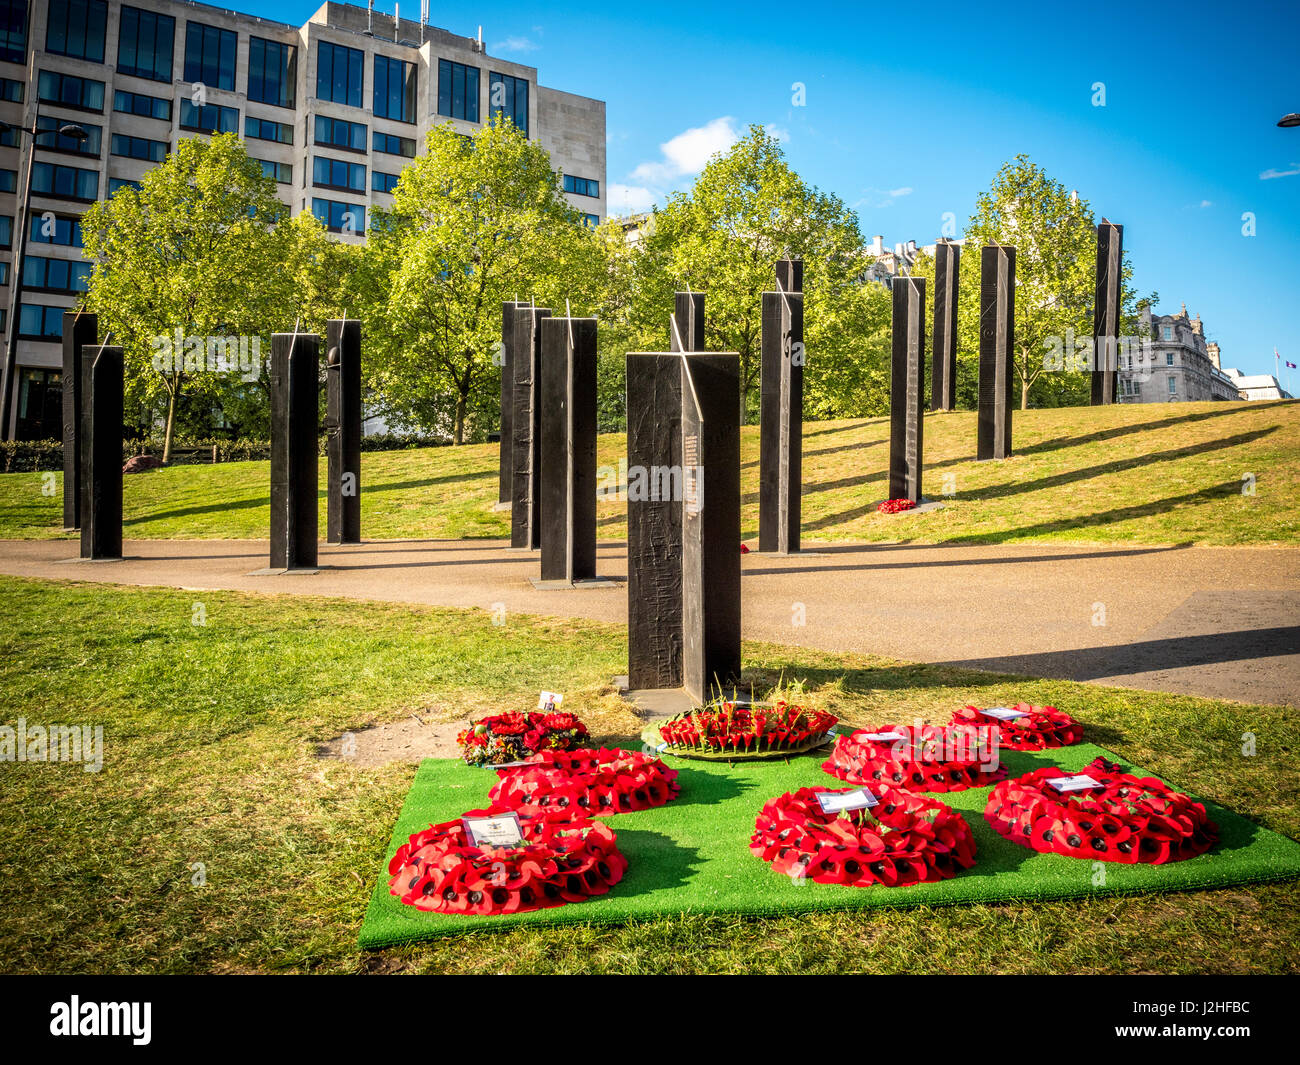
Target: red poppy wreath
x=905 y=839
x=734 y=732
x=560 y=860
x=587 y=782
x=1035 y=729
x=1124 y=819
x=513 y=737
x=931 y=758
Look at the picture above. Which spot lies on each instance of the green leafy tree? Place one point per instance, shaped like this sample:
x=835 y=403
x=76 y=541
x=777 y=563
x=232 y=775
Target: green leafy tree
x=1054 y=233
x=748 y=209
x=475 y=222
x=197 y=251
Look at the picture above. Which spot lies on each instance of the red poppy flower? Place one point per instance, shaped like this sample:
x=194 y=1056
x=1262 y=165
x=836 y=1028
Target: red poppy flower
x=515 y=737
x=894 y=506
x=904 y=839
x=1124 y=819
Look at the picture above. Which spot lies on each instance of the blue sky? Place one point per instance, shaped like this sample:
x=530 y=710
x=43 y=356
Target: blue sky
x=911 y=109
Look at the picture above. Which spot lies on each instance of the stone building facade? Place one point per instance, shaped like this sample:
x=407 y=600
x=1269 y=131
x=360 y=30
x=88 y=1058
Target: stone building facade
x=333 y=110
x=1179 y=364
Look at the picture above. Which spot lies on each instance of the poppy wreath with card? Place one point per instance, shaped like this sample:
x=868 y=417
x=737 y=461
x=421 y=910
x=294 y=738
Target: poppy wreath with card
x=1126 y=819
x=733 y=731
x=935 y=758
x=1036 y=729
x=895 y=506
x=514 y=737
x=904 y=839
x=558 y=861
x=586 y=783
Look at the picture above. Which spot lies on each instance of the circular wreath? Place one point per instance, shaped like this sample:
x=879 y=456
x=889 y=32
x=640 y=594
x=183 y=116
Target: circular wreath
x=586 y=783
x=932 y=758
x=904 y=839
x=732 y=732
x=1128 y=819
x=1038 y=727
x=516 y=736
x=559 y=861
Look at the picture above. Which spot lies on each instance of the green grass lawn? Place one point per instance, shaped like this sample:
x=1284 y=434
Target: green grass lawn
x=1169 y=473
x=211 y=734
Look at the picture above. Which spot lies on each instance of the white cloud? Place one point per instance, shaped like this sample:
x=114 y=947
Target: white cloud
x=1271 y=173
x=1207 y=203
x=629 y=199
x=687 y=152
x=881 y=197
x=515 y=44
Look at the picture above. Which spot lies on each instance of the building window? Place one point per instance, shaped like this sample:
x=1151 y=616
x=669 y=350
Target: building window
x=339 y=72
x=69 y=91
x=40 y=403
x=340 y=134
x=210 y=56
x=8 y=180
x=1173 y=384
x=1169 y=358
x=13 y=31
x=4 y=272
x=592 y=220
x=338 y=174
x=212 y=118
x=10 y=91
x=395 y=89
x=76 y=28
x=509 y=97
x=144 y=44
x=55 y=275
x=38 y=322
x=390 y=145
x=59 y=229
x=581 y=186
x=7 y=231
x=52 y=140
x=281 y=172
x=138 y=148
x=69 y=182
x=457 y=90
x=381 y=182
x=116 y=183
x=340 y=217
x=263 y=129
x=272 y=72
x=1169 y=332
x=137 y=103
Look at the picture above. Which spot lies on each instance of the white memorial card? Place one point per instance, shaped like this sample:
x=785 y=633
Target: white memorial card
x=503 y=830
x=549 y=700
x=833 y=802
x=1078 y=782
x=884 y=737
x=1003 y=713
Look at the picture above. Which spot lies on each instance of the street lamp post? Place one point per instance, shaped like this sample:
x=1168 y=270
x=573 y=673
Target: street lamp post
x=23 y=224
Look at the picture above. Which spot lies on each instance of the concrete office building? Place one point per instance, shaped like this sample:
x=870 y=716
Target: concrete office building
x=332 y=109
x=1179 y=364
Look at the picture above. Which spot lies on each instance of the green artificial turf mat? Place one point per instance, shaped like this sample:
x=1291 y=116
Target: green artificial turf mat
x=693 y=856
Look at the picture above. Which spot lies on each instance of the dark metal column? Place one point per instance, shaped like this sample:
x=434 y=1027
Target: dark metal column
x=295 y=395
x=102 y=384
x=1106 y=313
x=79 y=330
x=943 y=372
x=525 y=354
x=997 y=340
x=907 y=388
x=343 y=430
x=568 y=449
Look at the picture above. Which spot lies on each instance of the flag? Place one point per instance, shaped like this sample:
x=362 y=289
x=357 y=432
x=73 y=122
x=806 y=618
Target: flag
x=1290 y=364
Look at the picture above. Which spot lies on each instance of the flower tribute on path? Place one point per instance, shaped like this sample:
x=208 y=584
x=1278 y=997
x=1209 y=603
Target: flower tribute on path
x=516 y=737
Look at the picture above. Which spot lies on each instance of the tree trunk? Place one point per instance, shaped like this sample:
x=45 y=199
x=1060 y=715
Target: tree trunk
x=1024 y=394
x=458 y=436
x=171 y=424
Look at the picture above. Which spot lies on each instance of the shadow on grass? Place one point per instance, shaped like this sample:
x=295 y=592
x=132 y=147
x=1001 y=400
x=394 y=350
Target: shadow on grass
x=1057 y=443
x=656 y=862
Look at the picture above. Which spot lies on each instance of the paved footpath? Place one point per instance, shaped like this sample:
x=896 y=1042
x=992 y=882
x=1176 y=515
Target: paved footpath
x=1216 y=621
